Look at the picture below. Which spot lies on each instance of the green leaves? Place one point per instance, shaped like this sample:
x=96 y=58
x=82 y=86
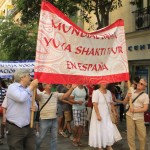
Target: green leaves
x=17 y=43
x=31 y=8
x=101 y=9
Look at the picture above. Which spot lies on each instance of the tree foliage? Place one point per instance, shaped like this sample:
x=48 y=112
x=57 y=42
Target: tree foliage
x=138 y=3
x=31 y=8
x=18 y=43
x=101 y=9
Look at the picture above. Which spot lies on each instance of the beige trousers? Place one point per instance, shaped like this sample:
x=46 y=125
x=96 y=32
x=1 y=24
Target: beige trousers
x=137 y=126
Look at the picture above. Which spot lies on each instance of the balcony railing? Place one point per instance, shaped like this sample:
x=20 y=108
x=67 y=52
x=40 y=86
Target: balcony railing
x=142 y=18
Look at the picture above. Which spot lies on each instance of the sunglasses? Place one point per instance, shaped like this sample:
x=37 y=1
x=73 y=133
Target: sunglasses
x=141 y=84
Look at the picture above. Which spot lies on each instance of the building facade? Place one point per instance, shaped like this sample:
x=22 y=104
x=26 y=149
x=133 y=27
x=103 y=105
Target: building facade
x=137 y=27
x=136 y=18
x=8 y=8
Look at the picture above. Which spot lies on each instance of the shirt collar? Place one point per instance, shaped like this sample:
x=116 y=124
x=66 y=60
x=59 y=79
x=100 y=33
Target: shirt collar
x=18 y=84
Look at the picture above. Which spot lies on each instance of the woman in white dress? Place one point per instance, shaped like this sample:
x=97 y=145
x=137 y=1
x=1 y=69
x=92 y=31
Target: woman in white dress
x=103 y=133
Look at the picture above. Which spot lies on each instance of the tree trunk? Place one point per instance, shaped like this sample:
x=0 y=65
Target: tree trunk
x=106 y=20
x=98 y=15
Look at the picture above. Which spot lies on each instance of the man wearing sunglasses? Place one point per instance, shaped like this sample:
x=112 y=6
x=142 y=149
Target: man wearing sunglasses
x=135 y=115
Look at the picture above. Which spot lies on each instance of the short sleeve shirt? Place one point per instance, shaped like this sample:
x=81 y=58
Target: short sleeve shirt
x=98 y=95
x=139 y=103
x=49 y=111
x=79 y=95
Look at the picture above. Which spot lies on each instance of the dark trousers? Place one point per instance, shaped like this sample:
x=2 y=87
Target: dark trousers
x=121 y=112
x=2 y=130
x=20 y=138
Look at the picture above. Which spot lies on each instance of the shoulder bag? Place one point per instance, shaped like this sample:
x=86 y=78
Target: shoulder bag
x=112 y=115
x=133 y=101
x=37 y=118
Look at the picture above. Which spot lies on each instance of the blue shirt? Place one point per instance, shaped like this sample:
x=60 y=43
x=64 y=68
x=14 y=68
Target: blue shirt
x=18 y=104
x=79 y=95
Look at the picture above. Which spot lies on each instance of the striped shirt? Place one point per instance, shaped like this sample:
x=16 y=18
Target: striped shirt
x=2 y=94
x=49 y=111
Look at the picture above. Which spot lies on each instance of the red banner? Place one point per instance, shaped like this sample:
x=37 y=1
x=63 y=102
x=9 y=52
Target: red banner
x=67 y=54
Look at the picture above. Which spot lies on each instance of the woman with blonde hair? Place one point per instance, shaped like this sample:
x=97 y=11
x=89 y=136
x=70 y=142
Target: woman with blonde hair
x=103 y=133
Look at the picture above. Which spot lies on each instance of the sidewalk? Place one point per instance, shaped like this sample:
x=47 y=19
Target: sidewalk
x=66 y=144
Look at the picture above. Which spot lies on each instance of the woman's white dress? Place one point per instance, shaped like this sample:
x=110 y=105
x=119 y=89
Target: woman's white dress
x=102 y=133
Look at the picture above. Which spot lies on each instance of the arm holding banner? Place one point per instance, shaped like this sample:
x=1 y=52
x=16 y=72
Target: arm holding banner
x=128 y=98
x=125 y=101
x=67 y=94
x=33 y=86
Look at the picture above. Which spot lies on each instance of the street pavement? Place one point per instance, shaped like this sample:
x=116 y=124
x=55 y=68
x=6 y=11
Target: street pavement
x=66 y=143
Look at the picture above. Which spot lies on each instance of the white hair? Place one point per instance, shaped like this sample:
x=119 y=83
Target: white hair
x=19 y=73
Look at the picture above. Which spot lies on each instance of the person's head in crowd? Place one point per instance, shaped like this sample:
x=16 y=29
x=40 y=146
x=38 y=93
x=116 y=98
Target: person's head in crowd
x=96 y=86
x=135 y=82
x=103 y=85
x=40 y=87
x=22 y=76
x=111 y=87
x=142 y=84
x=47 y=86
x=3 y=84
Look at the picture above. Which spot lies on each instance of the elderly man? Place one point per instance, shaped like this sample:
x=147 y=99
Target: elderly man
x=135 y=115
x=20 y=135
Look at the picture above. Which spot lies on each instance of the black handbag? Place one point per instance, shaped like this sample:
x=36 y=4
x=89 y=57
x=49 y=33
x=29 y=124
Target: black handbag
x=37 y=118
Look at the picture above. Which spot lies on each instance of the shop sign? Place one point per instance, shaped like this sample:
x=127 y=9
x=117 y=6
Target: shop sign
x=139 y=47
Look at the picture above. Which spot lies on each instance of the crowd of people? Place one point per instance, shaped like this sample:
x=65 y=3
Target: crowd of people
x=71 y=110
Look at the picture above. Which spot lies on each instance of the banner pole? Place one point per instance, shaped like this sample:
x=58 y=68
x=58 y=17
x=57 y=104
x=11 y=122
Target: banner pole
x=130 y=91
x=32 y=111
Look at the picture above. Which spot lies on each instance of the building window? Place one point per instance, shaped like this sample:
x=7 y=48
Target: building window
x=148 y=3
x=140 y=4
